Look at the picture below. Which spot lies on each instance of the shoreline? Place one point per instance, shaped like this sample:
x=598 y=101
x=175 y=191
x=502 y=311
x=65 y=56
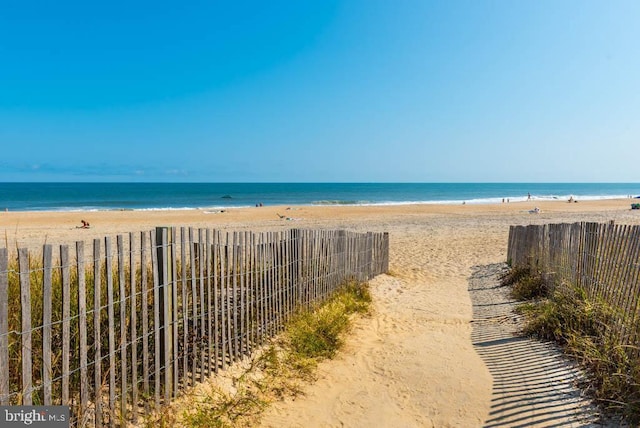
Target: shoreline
x=34 y=228
x=452 y=202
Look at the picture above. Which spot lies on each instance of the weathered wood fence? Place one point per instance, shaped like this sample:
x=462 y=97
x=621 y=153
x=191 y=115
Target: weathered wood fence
x=112 y=331
x=603 y=260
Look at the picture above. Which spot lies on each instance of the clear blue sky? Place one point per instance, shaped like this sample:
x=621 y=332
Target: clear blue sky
x=362 y=90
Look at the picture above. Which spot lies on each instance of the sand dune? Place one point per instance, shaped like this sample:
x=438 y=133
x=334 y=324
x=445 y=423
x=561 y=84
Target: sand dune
x=412 y=363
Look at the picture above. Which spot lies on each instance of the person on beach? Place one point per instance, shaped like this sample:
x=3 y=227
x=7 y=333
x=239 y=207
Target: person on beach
x=85 y=224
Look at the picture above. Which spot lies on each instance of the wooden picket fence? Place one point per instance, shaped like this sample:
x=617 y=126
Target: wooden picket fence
x=601 y=259
x=122 y=330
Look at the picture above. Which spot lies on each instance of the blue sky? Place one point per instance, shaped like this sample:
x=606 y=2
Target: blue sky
x=362 y=90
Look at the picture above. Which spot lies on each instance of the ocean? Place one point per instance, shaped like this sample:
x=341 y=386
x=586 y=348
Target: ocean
x=162 y=196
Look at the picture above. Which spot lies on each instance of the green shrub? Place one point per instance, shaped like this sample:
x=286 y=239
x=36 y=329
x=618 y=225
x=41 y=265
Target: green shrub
x=317 y=335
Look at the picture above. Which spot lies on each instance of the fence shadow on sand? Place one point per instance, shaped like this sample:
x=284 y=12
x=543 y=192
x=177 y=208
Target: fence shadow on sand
x=534 y=385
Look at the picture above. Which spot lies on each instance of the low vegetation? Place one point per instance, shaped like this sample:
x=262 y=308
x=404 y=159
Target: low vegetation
x=276 y=372
x=582 y=326
x=525 y=285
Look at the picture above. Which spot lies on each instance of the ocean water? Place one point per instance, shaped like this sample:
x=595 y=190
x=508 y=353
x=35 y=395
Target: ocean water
x=156 y=196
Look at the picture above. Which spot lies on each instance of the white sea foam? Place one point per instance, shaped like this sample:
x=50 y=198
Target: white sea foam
x=492 y=200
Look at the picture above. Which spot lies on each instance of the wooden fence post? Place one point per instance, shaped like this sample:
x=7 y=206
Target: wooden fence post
x=385 y=266
x=25 y=301
x=4 y=326
x=134 y=328
x=111 y=331
x=82 y=330
x=47 y=263
x=97 y=310
x=165 y=294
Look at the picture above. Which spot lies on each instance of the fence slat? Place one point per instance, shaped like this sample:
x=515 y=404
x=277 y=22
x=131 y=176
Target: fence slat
x=165 y=310
x=82 y=330
x=216 y=297
x=209 y=304
x=97 y=343
x=122 y=299
x=185 y=305
x=174 y=319
x=144 y=290
x=156 y=320
x=66 y=321
x=252 y=291
x=134 y=327
x=4 y=327
x=241 y=297
x=223 y=302
x=25 y=301
x=634 y=304
x=194 y=309
x=201 y=263
x=234 y=294
x=111 y=332
x=228 y=352
x=47 y=275
x=278 y=283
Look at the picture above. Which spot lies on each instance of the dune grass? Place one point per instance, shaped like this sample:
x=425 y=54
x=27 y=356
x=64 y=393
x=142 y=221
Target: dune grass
x=289 y=360
x=278 y=371
x=582 y=326
x=525 y=285
x=36 y=292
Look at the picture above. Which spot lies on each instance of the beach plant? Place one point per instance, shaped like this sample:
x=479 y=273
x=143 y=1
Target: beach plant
x=582 y=326
x=530 y=287
x=36 y=273
x=525 y=284
x=281 y=368
x=513 y=275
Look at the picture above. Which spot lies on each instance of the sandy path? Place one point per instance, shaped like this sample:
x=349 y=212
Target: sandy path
x=413 y=363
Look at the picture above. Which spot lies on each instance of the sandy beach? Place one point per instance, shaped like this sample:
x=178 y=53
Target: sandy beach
x=412 y=363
